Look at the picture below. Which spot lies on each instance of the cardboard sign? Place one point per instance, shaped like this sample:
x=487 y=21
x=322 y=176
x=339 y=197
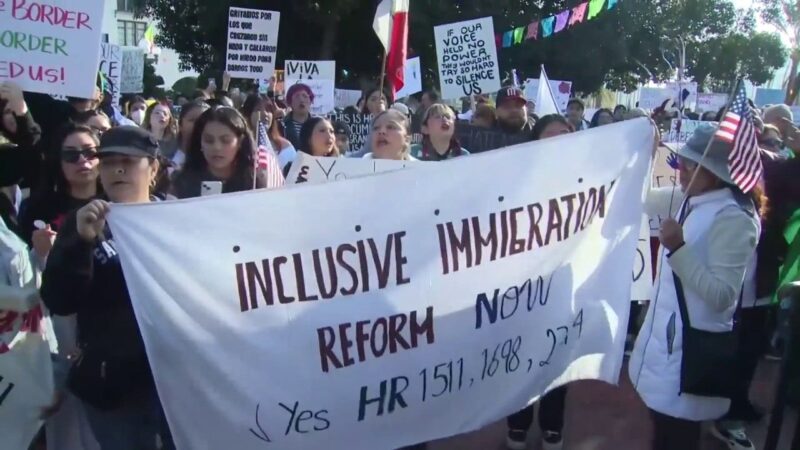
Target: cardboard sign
x=467 y=58
x=395 y=309
x=320 y=76
x=681 y=130
x=252 y=42
x=561 y=90
x=360 y=128
x=132 y=70
x=111 y=67
x=664 y=175
x=51 y=46
x=412 y=79
x=314 y=170
x=346 y=97
x=711 y=102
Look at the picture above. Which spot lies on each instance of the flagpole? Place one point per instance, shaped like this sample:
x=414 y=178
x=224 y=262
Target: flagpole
x=713 y=136
x=383 y=76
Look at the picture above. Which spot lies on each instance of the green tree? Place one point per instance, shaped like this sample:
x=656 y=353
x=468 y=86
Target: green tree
x=785 y=16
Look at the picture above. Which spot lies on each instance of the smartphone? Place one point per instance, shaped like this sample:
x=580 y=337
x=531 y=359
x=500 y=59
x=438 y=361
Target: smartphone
x=211 y=188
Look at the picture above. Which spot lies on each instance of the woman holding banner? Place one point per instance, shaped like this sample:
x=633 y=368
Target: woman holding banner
x=438 y=130
x=697 y=293
x=111 y=374
x=317 y=138
x=221 y=149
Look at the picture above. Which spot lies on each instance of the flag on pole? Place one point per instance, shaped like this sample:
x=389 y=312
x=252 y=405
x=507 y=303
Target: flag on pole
x=738 y=128
x=391 y=27
x=266 y=160
x=545 y=100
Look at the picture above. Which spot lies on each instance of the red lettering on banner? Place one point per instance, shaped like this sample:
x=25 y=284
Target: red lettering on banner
x=51 y=75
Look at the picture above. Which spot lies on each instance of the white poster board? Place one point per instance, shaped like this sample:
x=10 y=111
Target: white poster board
x=320 y=76
x=314 y=170
x=252 y=42
x=664 y=174
x=711 y=102
x=132 y=70
x=412 y=79
x=643 y=264
x=561 y=91
x=467 y=58
x=681 y=131
x=372 y=321
x=346 y=97
x=651 y=98
x=111 y=67
x=51 y=46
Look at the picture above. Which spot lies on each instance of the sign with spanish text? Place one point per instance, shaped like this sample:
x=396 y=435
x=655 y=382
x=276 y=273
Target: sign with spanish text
x=359 y=126
x=397 y=308
x=467 y=58
x=132 y=70
x=252 y=42
x=111 y=67
x=51 y=46
x=315 y=170
x=412 y=81
x=320 y=76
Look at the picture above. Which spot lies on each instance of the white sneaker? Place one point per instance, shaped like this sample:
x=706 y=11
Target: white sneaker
x=734 y=436
x=551 y=440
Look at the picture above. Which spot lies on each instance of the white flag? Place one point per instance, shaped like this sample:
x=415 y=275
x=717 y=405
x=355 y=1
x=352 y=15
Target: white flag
x=545 y=100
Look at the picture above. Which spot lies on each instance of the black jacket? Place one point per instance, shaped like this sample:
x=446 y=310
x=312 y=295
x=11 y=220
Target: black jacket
x=86 y=279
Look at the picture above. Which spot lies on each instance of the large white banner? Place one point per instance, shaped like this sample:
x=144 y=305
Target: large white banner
x=315 y=170
x=397 y=308
x=467 y=58
x=51 y=46
x=252 y=42
x=320 y=76
x=111 y=67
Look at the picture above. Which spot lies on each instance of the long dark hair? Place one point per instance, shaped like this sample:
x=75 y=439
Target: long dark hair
x=307 y=131
x=369 y=92
x=187 y=108
x=255 y=102
x=596 y=117
x=196 y=163
x=543 y=122
x=54 y=183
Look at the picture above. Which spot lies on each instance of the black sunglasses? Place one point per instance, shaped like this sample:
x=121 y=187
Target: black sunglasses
x=73 y=156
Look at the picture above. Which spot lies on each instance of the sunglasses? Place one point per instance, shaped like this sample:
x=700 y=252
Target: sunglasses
x=73 y=156
x=776 y=143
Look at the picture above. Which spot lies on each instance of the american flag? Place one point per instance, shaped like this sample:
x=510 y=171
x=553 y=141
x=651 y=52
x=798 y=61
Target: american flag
x=738 y=128
x=267 y=161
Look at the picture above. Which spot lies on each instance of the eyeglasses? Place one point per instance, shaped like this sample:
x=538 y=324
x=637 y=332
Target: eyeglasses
x=774 y=143
x=73 y=156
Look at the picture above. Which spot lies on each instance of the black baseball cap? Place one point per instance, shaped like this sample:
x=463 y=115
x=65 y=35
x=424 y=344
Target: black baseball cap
x=512 y=93
x=128 y=140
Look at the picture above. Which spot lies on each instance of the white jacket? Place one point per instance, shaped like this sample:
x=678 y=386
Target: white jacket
x=720 y=242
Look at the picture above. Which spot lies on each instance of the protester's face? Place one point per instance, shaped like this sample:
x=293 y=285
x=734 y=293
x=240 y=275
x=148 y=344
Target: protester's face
x=322 y=139
x=440 y=125
x=301 y=101
x=619 y=114
x=704 y=180
x=79 y=159
x=575 y=112
x=554 y=129
x=389 y=137
x=127 y=179
x=137 y=113
x=159 y=119
x=343 y=142
x=219 y=144
x=100 y=124
x=188 y=121
x=376 y=103
x=604 y=119
x=512 y=114
x=9 y=121
x=770 y=140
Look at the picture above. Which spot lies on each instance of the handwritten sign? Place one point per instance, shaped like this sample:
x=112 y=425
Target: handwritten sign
x=359 y=125
x=111 y=67
x=651 y=98
x=132 y=81
x=315 y=170
x=681 y=130
x=711 y=102
x=467 y=58
x=320 y=76
x=664 y=175
x=346 y=97
x=662 y=203
x=643 y=264
x=430 y=302
x=412 y=78
x=561 y=91
x=252 y=42
x=51 y=46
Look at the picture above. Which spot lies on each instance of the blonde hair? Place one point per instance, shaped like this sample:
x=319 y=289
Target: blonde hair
x=401 y=118
x=437 y=108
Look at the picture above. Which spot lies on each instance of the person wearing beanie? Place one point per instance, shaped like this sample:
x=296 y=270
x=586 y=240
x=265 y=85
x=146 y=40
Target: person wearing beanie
x=111 y=375
x=300 y=98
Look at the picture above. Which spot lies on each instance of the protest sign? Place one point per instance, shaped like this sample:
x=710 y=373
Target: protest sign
x=51 y=46
x=359 y=125
x=412 y=79
x=643 y=264
x=346 y=97
x=662 y=203
x=409 y=306
x=252 y=42
x=467 y=58
x=651 y=98
x=314 y=170
x=26 y=375
x=561 y=91
x=664 y=175
x=111 y=67
x=479 y=139
x=681 y=130
x=769 y=97
x=711 y=102
x=132 y=70
x=320 y=76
